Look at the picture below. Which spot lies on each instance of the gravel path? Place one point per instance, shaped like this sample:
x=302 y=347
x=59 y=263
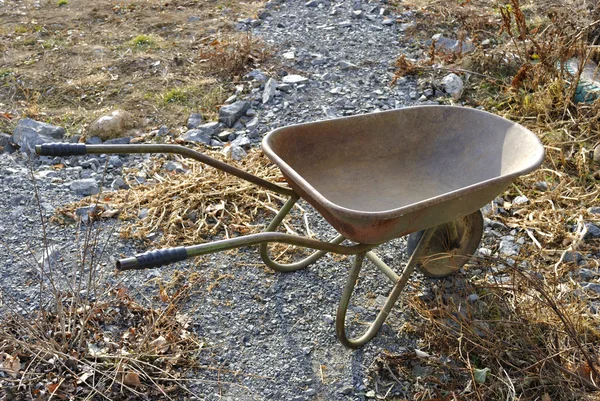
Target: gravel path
x=276 y=330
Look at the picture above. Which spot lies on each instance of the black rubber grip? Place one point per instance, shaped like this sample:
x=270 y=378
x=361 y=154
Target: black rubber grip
x=161 y=257
x=61 y=149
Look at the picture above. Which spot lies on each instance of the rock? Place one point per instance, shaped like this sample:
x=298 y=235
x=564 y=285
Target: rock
x=257 y=75
x=473 y=298
x=508 y=247
x=294 y=79
x=388 y=22
x=541 y=186
x=356 y=14
x=597 y=154
x=452 y=45
x=115 y=161
x=592 y=231
x=270 y=90
x=85 y=187
x=347 y=66
x=113 y=125
x=453 y=85
x=587 y=274
x=594 y=210
x=312 y=3
x=290 y=55
x=6 y=143
x=347 y=390
x=194 y=120
x=519 y=200
x=592 y=287
x=234 y=152
x=174 y=166
x=85 y=212
x=252 y=125
x=119 y=183
x=28 y=133
x=345 y=24
x=49 y=257
x=572 y=257
x=229 y=114
x=94 y=140
x=242 y=141
x=203 y=133
x=329 y=112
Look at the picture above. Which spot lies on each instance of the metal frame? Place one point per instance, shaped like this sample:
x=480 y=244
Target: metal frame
x=165 y=256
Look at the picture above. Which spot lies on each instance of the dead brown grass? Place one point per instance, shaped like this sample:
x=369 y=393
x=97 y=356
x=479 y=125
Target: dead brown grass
x=537 y=331
x=70 y=64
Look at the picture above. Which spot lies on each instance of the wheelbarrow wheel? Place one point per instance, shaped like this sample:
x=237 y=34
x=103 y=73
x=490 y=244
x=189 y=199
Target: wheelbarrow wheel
x=444 y=255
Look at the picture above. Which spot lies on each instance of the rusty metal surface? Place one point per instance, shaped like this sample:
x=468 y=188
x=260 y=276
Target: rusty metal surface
x=378 y=176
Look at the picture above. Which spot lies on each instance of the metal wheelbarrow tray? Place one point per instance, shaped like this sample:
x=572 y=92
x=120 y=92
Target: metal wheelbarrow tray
x=421 y=171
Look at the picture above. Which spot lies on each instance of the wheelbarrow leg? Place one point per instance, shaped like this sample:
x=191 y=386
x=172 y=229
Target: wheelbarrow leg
x=400 y=283
x=290 y=267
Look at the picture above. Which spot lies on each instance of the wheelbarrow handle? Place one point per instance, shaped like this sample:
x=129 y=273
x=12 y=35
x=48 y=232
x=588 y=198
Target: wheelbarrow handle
x=152 y=259
x=74 y=149
x=61 y=149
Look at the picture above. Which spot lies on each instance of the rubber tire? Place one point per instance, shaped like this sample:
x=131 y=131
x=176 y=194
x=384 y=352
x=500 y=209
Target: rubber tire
x=433 y=263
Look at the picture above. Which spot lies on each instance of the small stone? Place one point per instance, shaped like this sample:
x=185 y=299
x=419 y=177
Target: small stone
x=453 y=85
x=113 y=125
x=541 y=186
x=115 y=161
x=203 y=133
x=310 y=392
x=592 y=231
x=329 y=112
x=85 y=187
x=252 y=125
x=592 y=287
x=370 y=394
x=242 y=141
x=357 y=14
x=226 y=136
x=345 y=24
x=294 y=79
x=85 y=212
x=519 y=200
x=346 y=390
x=119 y=183
x=587 y=274
x=328 y=319
x=388 y=22
x=594 y=210
x=284 y=88
x=473 y=298
x=572 y=257
x=597 y=154
x=257 y=75
x=234 y=152
x=229 y=114
x=312 y=3
x=194 y=120
x=347 y=66
x=269 y=91
x=174 y=166
x=28 y=133
x=289 y=55
x=94 y=140
x=508 y=247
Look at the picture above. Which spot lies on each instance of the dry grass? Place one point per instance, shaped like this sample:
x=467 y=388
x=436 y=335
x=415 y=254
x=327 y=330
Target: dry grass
x=68 y=65
x=87 y=337
x=188 y=208
x=537 y=330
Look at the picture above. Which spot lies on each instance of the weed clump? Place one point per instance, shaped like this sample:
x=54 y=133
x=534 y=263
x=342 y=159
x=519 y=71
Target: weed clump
x=143 y=42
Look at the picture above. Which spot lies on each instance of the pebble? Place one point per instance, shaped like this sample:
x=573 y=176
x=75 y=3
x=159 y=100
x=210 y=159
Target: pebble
x=592 y=231
x=85 y=187
x=269 y=91
x=230 y=113
x=112 y=125
x=541 y=186
x=508 y=247
x=28 y=133
x=594 y=210
x=294 y=79
x=453 y=85
x=194 y=120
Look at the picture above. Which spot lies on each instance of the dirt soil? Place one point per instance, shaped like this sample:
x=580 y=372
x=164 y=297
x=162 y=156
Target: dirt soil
x=70 y=61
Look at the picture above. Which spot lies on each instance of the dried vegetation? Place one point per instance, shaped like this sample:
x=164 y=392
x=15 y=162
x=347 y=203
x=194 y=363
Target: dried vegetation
x=535 y=335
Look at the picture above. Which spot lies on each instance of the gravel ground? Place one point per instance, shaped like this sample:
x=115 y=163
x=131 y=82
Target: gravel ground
x=276 y=330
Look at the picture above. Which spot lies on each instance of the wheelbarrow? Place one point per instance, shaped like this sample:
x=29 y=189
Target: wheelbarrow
x=422 y=172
